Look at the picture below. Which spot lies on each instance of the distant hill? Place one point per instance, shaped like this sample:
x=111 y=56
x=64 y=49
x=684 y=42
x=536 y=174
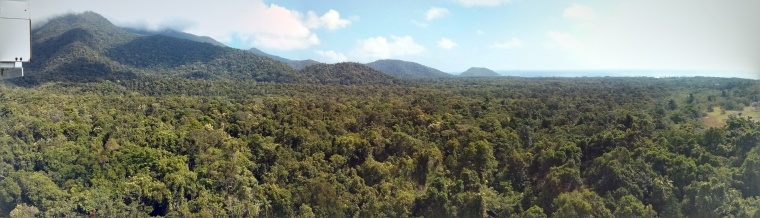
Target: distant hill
x=347 y=73
x=300 y=64
x=406 y=69
x=87 y=47
x=175 y=34
x=479 y=72
x=296 y=64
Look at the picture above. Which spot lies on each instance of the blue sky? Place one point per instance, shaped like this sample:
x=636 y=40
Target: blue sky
x=454 y=35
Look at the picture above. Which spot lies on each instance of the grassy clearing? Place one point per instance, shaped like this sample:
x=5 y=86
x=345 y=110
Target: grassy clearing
x=717 y=118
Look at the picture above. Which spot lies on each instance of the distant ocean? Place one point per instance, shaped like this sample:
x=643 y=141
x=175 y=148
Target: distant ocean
x=625 y=73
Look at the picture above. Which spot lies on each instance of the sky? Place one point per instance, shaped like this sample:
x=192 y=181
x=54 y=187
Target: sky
x=712 y=37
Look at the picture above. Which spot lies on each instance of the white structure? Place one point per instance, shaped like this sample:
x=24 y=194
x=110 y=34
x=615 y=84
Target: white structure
x=15 y=38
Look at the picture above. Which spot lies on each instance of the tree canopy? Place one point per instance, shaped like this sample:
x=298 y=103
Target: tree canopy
x=508 y=147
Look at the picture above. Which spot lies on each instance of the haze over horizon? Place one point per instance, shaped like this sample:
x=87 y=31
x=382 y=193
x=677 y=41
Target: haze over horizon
x=674 y=36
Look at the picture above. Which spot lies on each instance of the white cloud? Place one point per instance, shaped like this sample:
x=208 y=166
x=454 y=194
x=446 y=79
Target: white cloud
x=383 y=48
x=435 y=13
x=330 y=20
x=578 y=11
x=480 y=32
x=332 y=56
x=446 y=43
x=285 y=29
x=509 y=44
x=242 y=22
x=282 y=42
x=489 y=3
x=562 y=40
x=419 y=24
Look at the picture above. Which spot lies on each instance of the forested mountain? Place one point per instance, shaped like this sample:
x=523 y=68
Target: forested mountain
x=346 y=73
x=296 y=64
x=88 y=27
x=87 y=47
x=479 y=72
x=175 y=34
x=406 y=69
x=71 y=48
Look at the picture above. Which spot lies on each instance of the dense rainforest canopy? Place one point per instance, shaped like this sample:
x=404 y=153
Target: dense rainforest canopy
x=509 y=147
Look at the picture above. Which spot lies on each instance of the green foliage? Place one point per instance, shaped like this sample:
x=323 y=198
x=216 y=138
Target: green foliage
x=580 y=203
x=618 y=173
x=159 y=50
x=672 y=104
x=186 y=147
x=209 y=148
x=750 y=172
x=630 y=206
x=709 y=198
x=534 y=212
x=346 y=74
x=24 y=211
x=218 y=132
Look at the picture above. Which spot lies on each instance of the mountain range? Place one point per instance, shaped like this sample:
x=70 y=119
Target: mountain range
x=87 y=47
x=297 y=64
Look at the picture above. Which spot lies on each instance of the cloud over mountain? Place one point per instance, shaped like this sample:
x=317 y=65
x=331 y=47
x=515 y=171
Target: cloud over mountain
x=239 y=21
x=384 y=48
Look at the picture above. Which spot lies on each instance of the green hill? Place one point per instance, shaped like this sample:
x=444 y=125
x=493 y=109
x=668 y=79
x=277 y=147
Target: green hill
x=346 y=74
x=479 y=72
x=406 y=69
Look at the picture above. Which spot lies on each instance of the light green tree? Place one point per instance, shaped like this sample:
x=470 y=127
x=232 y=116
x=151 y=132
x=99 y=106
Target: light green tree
x=24 y=211
x=580 y=203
